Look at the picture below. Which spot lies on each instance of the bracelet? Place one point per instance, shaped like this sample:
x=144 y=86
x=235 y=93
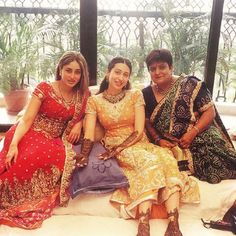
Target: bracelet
x=157 y=139
x=197 y=129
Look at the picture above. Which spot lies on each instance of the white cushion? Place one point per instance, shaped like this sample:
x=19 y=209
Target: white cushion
x=89 y=204
x=215 y=200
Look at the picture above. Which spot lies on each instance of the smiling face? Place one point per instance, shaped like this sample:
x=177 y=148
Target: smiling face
x=118 y=77
x=71 y=74
x=161 y=73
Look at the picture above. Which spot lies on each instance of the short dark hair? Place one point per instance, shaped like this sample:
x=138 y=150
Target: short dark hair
x=157 y=55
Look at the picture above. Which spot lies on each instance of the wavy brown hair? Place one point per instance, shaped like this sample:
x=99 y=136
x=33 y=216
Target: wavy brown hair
x=69 y=57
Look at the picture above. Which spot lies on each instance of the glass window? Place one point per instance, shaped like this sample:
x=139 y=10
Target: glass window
x=225 y=77
x=133 y=28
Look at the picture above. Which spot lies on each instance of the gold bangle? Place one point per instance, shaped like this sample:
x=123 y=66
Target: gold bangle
x=197 y=129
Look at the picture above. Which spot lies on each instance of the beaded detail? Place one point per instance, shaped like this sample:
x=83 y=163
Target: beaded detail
x=164 y=92
x=114 y=98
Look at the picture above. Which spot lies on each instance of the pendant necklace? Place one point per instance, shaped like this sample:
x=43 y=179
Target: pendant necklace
x=66 y=103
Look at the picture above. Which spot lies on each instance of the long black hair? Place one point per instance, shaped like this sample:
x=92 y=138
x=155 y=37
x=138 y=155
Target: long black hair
x=104 y=84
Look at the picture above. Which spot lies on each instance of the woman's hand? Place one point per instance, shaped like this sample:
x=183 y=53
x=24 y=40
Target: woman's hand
x=11 y=156
x=81 y=160
x=187 y=138
x=166 y=144
x=74 y=134
x=109 y=154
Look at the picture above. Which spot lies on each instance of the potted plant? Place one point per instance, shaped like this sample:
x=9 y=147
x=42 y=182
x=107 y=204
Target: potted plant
x=18 y=54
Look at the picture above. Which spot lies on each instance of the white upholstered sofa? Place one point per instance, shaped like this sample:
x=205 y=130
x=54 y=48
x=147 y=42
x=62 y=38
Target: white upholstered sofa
x=92 y=215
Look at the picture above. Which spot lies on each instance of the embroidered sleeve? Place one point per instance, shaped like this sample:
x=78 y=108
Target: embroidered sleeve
x=40 y=91
x=203 y=99
x=138 y=98
x=91 y=106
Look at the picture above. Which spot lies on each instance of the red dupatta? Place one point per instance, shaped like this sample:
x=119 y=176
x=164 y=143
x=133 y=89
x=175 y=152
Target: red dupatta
x=80 y=107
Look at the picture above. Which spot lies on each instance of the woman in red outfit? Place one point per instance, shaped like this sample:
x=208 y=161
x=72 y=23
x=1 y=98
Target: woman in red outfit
x=37 y=158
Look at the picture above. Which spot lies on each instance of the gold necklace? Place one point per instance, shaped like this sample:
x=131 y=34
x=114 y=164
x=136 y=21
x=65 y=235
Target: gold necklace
x=164 y=92
x=66 y=103
x=114 y=98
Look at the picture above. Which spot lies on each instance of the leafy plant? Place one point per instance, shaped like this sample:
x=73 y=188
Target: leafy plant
x=18 y=52
x=185 y=36
x=59 y=34
x=225 y=81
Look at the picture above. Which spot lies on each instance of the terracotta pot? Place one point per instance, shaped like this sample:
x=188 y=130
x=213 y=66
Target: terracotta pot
x=16 y=100
x=2 y=102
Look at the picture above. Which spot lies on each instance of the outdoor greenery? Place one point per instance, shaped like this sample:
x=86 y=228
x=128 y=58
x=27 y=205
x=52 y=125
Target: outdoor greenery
x=187 y=38
x=31 y=45
x=226 y=72
x=30 y=49
x=59 y=34
x=18 y=47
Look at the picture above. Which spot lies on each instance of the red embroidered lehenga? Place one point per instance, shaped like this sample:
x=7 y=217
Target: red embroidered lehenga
x=39 y=179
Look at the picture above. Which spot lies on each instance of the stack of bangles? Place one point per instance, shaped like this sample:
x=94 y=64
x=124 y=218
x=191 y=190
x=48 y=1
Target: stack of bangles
x=197 y=129
x=157 y=139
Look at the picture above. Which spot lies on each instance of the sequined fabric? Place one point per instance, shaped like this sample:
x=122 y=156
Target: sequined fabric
x=148 y=168
x=34 y=185
x=52 y=128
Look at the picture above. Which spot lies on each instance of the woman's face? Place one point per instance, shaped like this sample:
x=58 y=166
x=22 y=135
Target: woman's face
x=161 y=73
x=118 y=76
x=71 y=74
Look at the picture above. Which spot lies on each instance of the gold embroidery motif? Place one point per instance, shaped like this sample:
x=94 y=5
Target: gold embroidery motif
x=148 y=167
x=69 y=160
x=51 y=128
x=68 y=169
x=40 y=185
x=78 y=106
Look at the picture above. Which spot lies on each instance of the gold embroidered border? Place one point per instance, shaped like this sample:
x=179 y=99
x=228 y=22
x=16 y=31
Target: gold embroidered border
x=69 y=159
x=174 y=101
x=42 y=183
x=67 y=172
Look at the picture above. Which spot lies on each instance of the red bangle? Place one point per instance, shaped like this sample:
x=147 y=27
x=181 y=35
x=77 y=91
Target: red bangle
x=156 y=140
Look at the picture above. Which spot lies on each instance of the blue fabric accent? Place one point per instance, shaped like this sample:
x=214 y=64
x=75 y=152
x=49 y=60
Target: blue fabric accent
x=98 y=176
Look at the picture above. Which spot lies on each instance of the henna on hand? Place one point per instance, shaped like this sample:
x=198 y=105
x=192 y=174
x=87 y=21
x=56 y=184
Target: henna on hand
x=82 y=157
x=117 y=149
x=81 y=160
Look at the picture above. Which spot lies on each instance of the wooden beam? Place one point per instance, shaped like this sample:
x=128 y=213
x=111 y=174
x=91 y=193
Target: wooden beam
x=213 y=43
x=88 y=36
